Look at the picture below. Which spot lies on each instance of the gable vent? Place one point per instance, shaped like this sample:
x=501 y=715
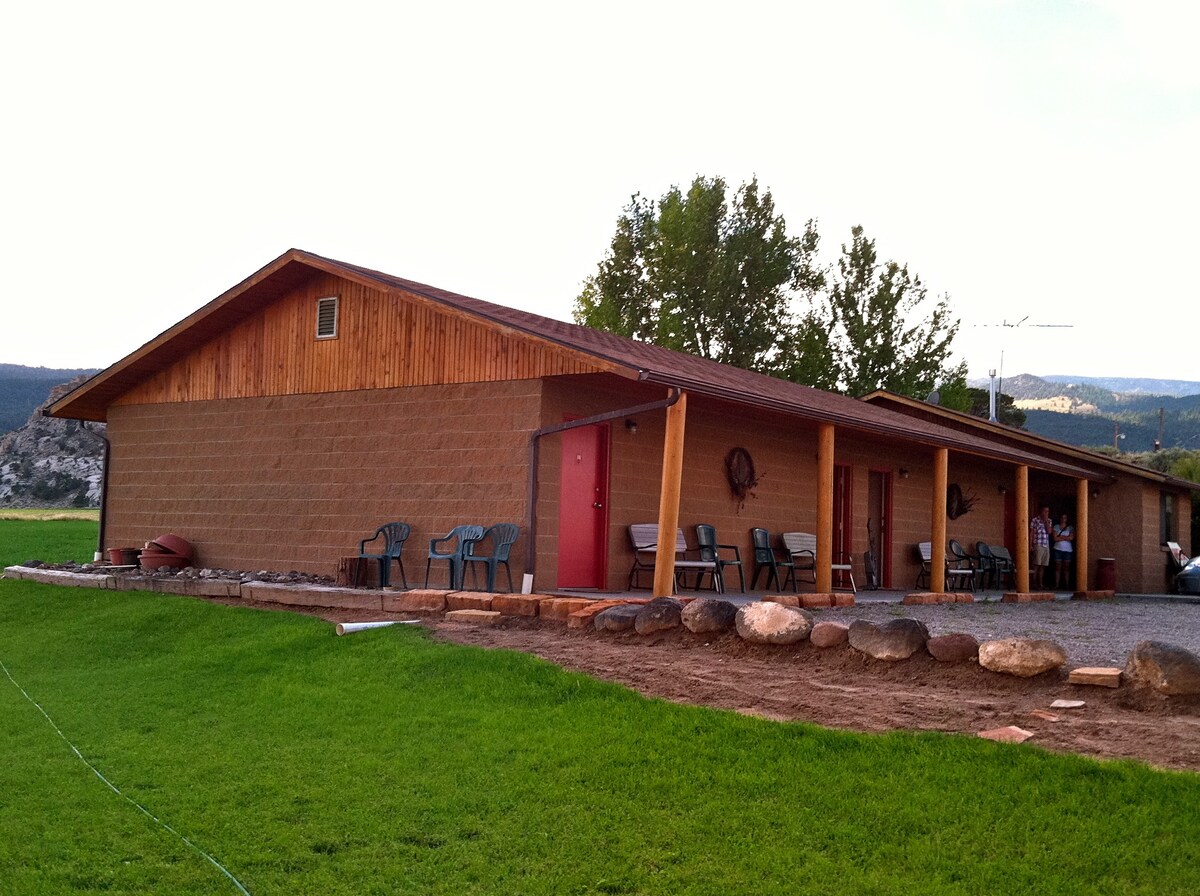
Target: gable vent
x=327 y=318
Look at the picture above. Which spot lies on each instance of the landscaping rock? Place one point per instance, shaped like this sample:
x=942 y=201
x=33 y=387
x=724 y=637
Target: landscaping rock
x=769 y=623
x=660 y=615
x=1099 y=676
x=957 y=647
x=829 y=634
x=617 y=619
x=1166 y=668
x=895 y=640
x=709 y=615
x=1010 y=735
x=1023 y=657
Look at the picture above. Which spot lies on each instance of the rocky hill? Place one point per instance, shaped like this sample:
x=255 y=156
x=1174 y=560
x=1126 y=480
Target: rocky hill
x=52 y=463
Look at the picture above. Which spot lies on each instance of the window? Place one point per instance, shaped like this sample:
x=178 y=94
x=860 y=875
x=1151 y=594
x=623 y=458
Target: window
x=1166 y=518
x=327 y=317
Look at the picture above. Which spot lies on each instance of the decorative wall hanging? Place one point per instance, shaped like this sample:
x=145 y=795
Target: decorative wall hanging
x=739 y=468
x=957 y=503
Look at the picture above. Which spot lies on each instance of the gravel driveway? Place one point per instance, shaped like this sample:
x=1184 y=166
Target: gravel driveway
x=1094 y=633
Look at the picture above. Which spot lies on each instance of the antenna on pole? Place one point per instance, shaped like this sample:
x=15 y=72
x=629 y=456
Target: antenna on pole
x=992 y=397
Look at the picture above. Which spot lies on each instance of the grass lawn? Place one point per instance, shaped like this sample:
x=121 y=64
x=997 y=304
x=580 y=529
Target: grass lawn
x=386 y=763
x=49 y=540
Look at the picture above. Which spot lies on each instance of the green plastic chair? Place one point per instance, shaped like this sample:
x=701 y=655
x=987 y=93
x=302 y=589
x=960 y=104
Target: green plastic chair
x=394 y=536
x=458 y=542
x=501 y=538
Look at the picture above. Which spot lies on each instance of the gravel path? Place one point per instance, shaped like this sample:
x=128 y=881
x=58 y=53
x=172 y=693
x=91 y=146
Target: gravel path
x=1094 y=633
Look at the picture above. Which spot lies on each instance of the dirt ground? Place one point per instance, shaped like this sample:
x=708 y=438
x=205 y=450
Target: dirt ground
x=840 y=688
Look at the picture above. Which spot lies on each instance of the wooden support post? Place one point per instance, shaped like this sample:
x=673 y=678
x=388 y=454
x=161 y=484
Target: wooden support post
x=937 y=566
x=1021 y=551
x=668 y=501
x=1081 y=535
x=824 y=558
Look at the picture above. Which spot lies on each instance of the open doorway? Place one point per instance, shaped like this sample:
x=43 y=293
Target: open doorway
x=879 y=529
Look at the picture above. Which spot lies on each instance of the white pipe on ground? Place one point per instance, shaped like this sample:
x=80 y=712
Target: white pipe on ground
x=349 y=628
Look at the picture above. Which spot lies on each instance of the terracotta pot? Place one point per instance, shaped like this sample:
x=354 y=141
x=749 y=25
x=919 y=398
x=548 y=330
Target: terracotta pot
x=153 y=560
x=173 y=544
x=123 y=556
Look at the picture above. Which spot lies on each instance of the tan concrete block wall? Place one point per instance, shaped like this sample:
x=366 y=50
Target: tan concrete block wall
x=294 y=482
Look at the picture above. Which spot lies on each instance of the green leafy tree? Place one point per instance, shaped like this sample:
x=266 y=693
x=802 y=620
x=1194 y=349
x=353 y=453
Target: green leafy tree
x=698 y=273
x=881 y=339
x=979 y=405
x=722 y=279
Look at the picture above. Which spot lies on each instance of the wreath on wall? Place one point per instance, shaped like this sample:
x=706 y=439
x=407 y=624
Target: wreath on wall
x=743 y=479
x=957 y=503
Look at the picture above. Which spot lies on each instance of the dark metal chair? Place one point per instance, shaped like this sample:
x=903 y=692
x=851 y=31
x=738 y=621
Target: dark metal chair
x=765 y=558
x=1005 y=565
x=953 y=570
x=394 y=535
x=963 y=567
x=459 y=539
x=987 y=565
x=500 y=537
x=710 y=551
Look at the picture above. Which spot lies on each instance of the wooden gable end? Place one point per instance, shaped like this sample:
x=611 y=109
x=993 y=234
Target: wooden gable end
x=385 y=339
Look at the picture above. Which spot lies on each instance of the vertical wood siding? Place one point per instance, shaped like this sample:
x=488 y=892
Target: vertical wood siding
x=384 y=341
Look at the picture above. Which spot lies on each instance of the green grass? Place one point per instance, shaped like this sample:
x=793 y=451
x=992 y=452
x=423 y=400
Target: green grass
x=383 y=762
x=52 y=541
x=386 y=763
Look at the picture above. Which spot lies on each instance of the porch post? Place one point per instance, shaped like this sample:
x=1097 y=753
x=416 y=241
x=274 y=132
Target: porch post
x=668 y=501
x=1022 y=548
x=1081 y=535
x=824 y=558
x=937 y=565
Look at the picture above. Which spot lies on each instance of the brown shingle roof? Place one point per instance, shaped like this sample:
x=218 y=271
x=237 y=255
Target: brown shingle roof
x=647 y=362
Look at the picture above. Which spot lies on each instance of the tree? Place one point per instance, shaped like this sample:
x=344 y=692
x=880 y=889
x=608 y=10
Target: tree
x=698 y=274
x=878 y=337
x=1006 y=411
x=724 y=281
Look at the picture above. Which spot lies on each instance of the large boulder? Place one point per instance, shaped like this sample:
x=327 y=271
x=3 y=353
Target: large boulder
x=829 y=634
x=956 y=647
x=895 y=640
x=708 y=614
x=661 y=614
x=1024 y=657
x=617 y=619
x=768 y=623
x=1166 y=668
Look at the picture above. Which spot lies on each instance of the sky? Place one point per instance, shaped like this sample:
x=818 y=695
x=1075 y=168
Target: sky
x=1035 y=161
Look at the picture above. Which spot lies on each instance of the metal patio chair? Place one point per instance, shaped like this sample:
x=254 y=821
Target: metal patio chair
x=765 y=558
x=710 y=551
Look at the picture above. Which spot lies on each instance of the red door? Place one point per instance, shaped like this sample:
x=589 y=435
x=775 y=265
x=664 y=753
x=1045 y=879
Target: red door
x=583 y=508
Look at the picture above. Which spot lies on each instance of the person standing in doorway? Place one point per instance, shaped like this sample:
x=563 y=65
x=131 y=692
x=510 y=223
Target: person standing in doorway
x=1064 y=552
x=1039 y=546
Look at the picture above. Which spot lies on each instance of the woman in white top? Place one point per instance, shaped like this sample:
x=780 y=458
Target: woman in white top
x=1064 y=552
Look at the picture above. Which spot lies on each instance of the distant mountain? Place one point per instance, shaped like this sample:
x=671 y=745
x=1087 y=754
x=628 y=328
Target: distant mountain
x=24 y=389
x=1087 y=411
x=1135 y=386
x=50 y=462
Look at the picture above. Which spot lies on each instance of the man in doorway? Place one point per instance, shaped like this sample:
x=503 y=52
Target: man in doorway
x=1039 y=547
